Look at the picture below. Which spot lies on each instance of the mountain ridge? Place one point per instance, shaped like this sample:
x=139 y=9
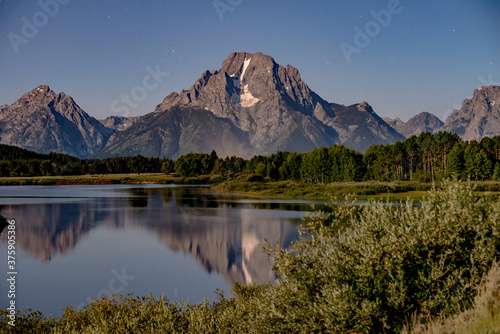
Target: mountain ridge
x=250 y=106
x=422 y=122
x=478 y=117
x=44 y=121
x=274 y=105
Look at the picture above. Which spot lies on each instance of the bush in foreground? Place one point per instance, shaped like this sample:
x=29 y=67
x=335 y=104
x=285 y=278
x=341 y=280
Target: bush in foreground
x=483 y=318
x=370 y=269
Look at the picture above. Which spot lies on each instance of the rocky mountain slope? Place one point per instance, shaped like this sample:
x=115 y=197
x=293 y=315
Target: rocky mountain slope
x=45 y=122
x=251 y=105
x=269 y=103
x=394 y=123
x=179 y=131
x=479 y=117
x=119 y=123
x=423 y=122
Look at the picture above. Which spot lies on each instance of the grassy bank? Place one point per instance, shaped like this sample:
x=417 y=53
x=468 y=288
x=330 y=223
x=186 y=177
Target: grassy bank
x=291 y=189
x=392 y=267
x=362 y=190
x=150 y=178
x=397 y=190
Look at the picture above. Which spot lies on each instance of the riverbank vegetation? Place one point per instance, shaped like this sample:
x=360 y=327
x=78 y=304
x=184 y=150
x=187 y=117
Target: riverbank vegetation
x=369 y=269
x=256 y=186
x=146 y=178
x=424 y=158
x=395 y=190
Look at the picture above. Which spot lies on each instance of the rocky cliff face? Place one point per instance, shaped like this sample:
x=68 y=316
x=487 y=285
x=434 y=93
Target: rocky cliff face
x=479 y=117
x=45 y=122
x=359 y=127
x=423 y=122
x=275 y=108
x=251 y=105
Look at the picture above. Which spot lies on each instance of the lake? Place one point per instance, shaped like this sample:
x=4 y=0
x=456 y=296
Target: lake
x=78 y=242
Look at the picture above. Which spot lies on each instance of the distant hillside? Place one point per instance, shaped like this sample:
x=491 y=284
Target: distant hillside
x=423 y=122
x=179 y=131
x=8 y=152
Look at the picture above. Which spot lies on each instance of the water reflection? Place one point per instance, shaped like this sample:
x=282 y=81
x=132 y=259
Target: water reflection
x=221 y=232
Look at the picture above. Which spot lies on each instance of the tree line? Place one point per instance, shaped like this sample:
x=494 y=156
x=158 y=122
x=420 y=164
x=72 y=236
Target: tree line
x=16 y=161
x=424 y=158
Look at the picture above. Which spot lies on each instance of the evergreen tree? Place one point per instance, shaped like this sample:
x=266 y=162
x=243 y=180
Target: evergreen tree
x=496 y=173
x=456 y=161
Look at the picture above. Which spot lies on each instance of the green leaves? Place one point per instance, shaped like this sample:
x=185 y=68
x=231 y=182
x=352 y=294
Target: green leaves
x=373 y=268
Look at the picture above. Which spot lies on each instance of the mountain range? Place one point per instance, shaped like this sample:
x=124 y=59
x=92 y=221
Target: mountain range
x=250 y=105
x=423 y=122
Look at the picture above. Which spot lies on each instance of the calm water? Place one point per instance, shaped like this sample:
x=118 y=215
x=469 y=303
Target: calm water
x=75 y=243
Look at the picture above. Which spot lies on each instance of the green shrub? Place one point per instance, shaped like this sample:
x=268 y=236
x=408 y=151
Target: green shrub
x=482 y=318
x=200 y=179
x=45 y=182
x=255 y=178
x=216 y=179
x=370 y=269
x=125 y=180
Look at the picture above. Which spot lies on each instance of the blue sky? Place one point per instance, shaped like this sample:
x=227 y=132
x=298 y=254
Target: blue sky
x=429 y=56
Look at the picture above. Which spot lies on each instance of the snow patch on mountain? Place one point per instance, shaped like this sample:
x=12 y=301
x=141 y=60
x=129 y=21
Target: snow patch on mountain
x=245 y=66
x=247 y=99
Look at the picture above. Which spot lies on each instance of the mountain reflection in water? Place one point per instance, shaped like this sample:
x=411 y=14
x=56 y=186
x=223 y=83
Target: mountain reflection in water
x=221 y=232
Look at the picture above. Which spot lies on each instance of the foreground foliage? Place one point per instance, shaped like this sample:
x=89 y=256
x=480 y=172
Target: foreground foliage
x=484 y=317
x=370 y=269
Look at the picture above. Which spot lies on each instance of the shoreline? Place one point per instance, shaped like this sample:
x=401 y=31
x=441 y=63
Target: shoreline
x=395 y=190
x=100 y=179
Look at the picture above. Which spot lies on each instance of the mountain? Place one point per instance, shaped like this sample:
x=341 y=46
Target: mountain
x=423 y=122
x=251 y=105
x=479 y=117
x=45 y=122
x=394 y=123
x=359 y=127
x=119 y=123
x=179 y=131
x=263 y=107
